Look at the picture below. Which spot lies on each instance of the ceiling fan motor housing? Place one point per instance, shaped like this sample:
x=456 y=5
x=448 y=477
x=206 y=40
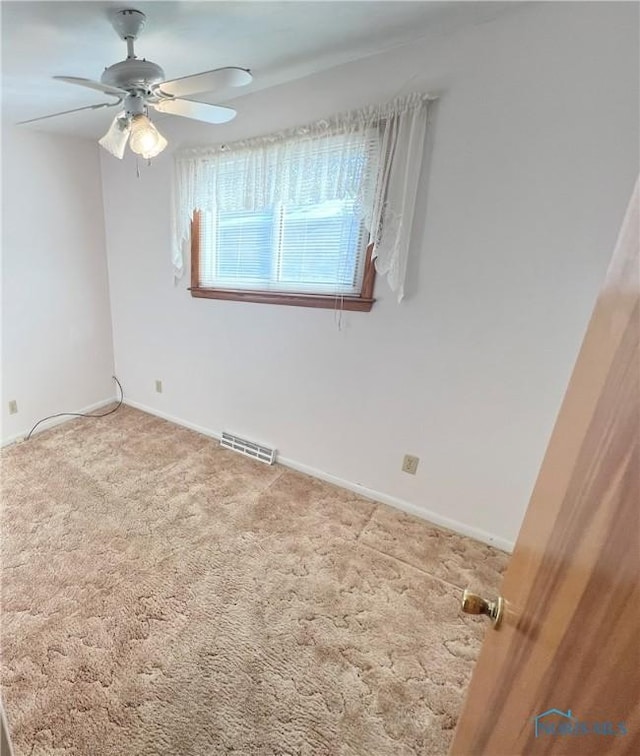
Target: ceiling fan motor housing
x=133 y=74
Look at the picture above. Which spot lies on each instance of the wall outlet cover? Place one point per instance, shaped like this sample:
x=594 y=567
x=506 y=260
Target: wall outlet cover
x=13 y=407
x=410 y=464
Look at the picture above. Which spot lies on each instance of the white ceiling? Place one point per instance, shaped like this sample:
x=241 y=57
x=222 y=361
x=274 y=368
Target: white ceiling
x=278 y=41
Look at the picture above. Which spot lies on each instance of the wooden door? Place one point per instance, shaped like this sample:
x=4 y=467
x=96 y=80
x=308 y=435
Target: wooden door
x=569 y=643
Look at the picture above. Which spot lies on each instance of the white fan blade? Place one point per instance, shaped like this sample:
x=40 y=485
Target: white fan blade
x=75 y=110
x=200 y=111
x=90 y=84
x=207 y=81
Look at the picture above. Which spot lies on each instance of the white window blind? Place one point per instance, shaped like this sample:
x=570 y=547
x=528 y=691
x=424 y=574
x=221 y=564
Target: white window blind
x=311 y=249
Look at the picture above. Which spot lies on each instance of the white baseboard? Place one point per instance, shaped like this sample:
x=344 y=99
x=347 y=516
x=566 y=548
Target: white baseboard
x=172 y=419
x=57 y=421
x=425 y=514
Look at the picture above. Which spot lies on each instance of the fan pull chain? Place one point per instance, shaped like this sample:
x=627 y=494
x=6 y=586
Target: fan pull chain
x=137 y=167
x=338 y=309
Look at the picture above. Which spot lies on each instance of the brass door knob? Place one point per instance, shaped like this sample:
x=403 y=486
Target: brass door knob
x=474 y=604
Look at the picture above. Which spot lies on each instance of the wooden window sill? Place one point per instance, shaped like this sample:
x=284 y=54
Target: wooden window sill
x=356 y=304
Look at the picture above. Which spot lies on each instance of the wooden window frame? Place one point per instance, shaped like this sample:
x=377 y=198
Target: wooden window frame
x=362 y=303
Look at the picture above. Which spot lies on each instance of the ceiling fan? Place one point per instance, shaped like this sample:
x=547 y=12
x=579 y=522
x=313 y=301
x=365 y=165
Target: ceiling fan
x=140 y=84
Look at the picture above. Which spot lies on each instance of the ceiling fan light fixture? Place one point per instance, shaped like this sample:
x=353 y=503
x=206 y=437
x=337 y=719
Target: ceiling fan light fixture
x=115 y=140
x=145 y=139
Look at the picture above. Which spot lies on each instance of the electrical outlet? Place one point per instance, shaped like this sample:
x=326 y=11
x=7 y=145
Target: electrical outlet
x=159 y=387
x=13 y=407
x=410 y=464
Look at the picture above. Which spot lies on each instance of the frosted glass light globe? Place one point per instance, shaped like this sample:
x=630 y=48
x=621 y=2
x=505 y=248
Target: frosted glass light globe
x=145 y=139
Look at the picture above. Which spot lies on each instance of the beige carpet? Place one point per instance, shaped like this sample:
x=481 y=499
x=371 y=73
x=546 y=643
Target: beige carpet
x=161 y=595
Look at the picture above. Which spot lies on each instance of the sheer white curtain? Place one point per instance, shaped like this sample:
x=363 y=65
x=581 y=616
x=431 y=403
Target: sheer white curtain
x=373 y=155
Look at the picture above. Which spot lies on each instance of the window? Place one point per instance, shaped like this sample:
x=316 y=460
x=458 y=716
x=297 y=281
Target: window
x=311 y=253
x=297 y=217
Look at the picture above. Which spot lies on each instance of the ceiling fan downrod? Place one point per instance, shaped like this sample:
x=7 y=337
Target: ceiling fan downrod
x=128 y=25
x=130 y=53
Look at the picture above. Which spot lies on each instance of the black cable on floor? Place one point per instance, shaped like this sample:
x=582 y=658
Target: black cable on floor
x=81 y=414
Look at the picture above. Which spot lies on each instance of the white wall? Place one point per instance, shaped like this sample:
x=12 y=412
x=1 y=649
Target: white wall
x=57 y=347
x=534 y=155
